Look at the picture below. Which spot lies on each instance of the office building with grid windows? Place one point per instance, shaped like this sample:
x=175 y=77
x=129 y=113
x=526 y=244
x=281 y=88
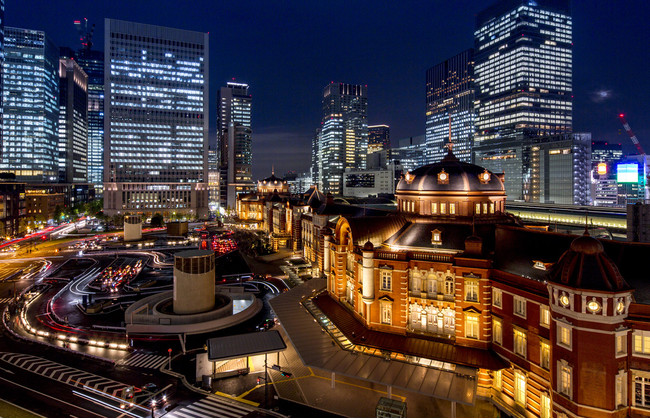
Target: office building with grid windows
x=31 y=106
x=73 y=122
x=235 y=142
x=156 y=120
x=343 y=135
x=450 y=107
x=523 y=71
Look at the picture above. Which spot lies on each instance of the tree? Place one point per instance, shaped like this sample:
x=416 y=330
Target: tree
x=157 y=220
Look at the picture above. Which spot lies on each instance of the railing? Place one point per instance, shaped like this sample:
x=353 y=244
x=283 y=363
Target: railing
x=434 y=257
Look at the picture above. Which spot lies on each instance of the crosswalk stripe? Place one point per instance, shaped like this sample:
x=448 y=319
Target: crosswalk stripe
x=243 y=408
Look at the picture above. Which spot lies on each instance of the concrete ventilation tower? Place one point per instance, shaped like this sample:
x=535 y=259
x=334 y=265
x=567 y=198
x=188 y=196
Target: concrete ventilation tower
x=194 y=282
x=132 y=228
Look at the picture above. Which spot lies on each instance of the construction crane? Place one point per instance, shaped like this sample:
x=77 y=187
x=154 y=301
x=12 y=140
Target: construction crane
x=631 y=134
x=86 y=36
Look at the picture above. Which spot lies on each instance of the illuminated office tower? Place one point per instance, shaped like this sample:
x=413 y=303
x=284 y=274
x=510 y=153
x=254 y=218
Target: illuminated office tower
x=343 y=137
x=31 y=106
x=378 y=138
x=92 y=62
x=523 y=55
x=73 y=122
x=235 y=142
x=2 y=56
x=156 y=120
x=213 y=180
x=450 y=97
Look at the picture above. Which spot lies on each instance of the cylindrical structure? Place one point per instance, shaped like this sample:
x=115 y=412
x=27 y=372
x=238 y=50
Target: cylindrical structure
x=193 y=281
x=177 y=228
x=368 y=274
x=132 y=228
x=326 y=255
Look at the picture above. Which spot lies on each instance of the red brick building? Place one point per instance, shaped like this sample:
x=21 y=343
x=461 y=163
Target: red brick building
x=568 y=316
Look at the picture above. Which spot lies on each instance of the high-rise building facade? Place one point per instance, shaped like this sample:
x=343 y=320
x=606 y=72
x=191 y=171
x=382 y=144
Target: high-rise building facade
x=156 y=120
x=378 y=138
x=73 y=122
x=604 y=187
x=31 y=106
x=343 y=136
x=561 y=166
x=2 y=58
x=92 y=62
x=235 y=142
x=523 y=71
x=450 y=108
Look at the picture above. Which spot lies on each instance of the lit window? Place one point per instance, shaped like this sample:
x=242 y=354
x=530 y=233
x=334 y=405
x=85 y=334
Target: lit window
x=564 y=335
x=564 y=378
x=471 y=290
x=497 y=296
x=641 y=391
x=497 y=380
x=434 y=208
x=386 y=312
x=544 y=316
x=621 y=344
x=544 y=354
x=520 y=342
x=436 y=237
x=477 y=208
x=497 y=331
x=471 y=325
x=519 y=306
x=545 y=408
x=642 y=342
x=386 y=280
x=520 y=388
x=485 y=208
x=491 y=207
x=443 y=208
x=452 y=208
x=620 y=389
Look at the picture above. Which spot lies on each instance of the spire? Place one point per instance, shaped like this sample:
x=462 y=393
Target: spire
x=272 y=170
x=450 y=145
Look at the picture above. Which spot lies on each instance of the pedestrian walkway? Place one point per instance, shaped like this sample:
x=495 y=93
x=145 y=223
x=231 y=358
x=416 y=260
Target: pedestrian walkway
x=63 y=373
x=211 y=407
x=5 y=300
x=143 y=360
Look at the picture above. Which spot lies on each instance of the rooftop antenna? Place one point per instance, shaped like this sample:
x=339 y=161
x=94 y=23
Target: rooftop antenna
x=272 y=169
x=85 y=35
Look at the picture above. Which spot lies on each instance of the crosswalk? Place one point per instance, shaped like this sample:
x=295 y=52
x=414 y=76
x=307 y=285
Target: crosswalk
x=212 y=407
x=142 y=360
x=63 y=373
x=5 y=300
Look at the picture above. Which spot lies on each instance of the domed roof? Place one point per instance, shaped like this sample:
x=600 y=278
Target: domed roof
x=450 y=174
x=586 y=265
x=273 y=180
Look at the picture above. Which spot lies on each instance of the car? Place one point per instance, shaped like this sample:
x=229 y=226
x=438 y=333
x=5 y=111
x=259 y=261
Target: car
x=151 y=387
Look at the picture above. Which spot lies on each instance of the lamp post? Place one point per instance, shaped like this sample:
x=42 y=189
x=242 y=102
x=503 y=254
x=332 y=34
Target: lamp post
x=169 y=356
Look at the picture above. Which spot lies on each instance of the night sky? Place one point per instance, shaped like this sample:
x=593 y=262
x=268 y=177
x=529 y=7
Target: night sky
x=289 y=50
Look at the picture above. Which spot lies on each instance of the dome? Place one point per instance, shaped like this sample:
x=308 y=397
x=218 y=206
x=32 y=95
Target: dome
x=272 y=180
x=368 y=246
x=587 y=245
x=450 y=175
x=586 y=265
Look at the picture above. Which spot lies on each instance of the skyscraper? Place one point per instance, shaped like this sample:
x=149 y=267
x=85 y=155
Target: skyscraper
x=92 y=62
x=2 y=58
x=450 y=97
x=523 y=55
x=235 y=142
x=378 y=138
x=31 y=112
x=156 y=124
x=343 y=137
x=73 y=122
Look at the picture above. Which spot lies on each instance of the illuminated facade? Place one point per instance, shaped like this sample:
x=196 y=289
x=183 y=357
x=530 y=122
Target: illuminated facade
x=342 y=140
x=92 y=62
x=156 y=120
x=378 y=138
x=213 y=180
x=604 y=188
x=31 y=106
x=411 y=152
x=73 y=122
x=2 y=57
x=235 y=142
x=523 y=55
x=545 y=323
x=450 y=99
x=560 y=169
